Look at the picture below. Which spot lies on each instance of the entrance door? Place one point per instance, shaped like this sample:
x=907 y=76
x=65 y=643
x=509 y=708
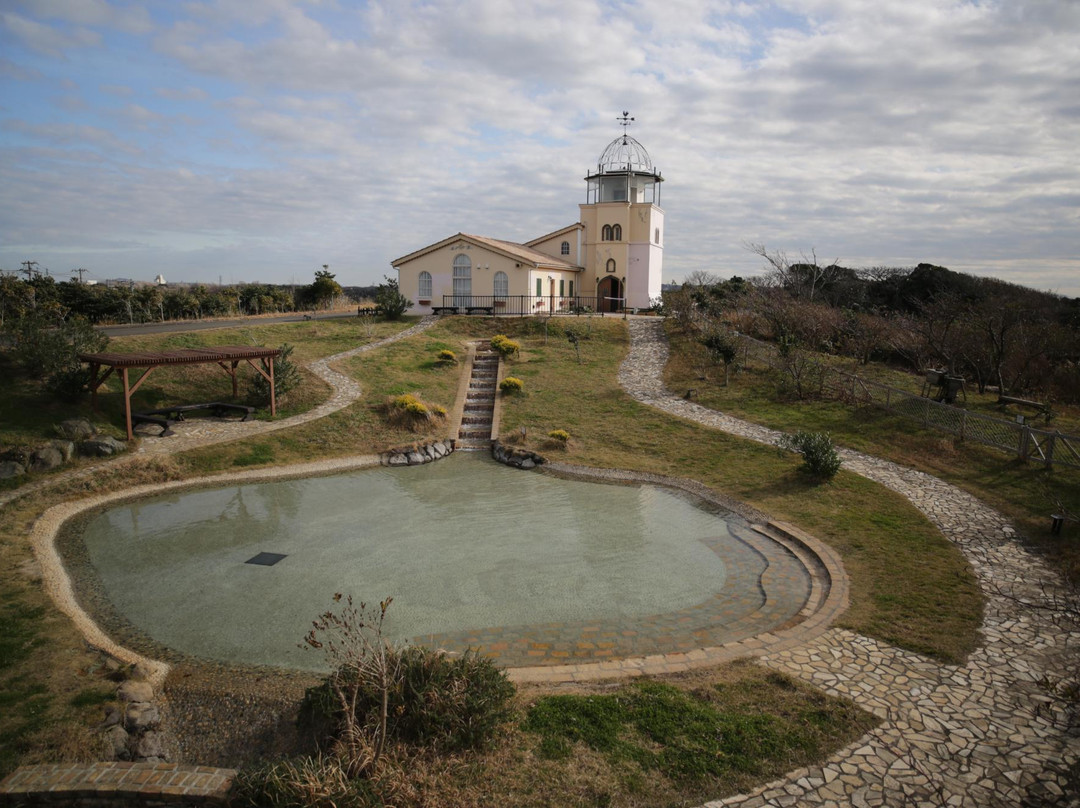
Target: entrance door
x=607 y=295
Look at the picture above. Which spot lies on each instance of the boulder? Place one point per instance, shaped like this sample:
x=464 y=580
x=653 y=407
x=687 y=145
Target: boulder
x=149 y=746
x=9 y=468
x=428 y=452
x=438 y=450
x=113 y=716
x=397 y=460
x=65 y=447
x=415 y=459
x=527 y=463
x=100 y=447
x=141 y=715
x=46 y=458
x=76 y=429
x=132 y=690
x=117 y=738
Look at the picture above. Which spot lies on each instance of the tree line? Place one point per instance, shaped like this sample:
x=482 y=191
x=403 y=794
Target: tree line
x=130 y=303
x=995 y=334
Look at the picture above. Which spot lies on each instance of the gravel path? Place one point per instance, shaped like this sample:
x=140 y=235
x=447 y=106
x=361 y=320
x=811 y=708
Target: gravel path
x=987 y=733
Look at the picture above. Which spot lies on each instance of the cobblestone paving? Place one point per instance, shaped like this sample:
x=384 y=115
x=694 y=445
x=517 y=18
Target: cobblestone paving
x=987 y=733
x=200 y=432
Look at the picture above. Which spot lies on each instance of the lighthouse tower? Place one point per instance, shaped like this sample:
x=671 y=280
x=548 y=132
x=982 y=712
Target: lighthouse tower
x=624 y=226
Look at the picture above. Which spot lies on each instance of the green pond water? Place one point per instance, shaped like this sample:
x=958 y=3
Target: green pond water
x=461 y=544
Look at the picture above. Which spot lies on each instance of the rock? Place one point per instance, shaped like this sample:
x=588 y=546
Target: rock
x=113 y=715
x=46 y=458
x=141 y=715
x=527 y=463
x=135 y=691
x=448 y=444
x=415 y=459
x=76 y=429
x=149 y=746
x=65 y=447
x=101 y=447
x=428 y=452
x=397 y=460
x=117 y=738
x=438 y=450
x=9 y=468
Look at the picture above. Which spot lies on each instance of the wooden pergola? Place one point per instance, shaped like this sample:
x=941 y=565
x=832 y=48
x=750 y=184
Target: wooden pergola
x=228 y=357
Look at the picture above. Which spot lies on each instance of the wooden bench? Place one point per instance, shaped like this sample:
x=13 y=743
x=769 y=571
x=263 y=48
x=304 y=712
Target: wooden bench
x=444 y=310
x=167 y=416
x=1043 y=409
x=488 y=310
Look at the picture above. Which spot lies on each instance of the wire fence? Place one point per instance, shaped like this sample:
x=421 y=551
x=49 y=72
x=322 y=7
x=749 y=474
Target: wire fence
x=1049 y=447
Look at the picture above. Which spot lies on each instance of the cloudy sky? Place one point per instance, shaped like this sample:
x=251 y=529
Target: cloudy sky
x=255 y=140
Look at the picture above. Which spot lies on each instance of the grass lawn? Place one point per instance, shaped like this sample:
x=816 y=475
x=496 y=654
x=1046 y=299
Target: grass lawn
x=909 y=586
x=1026 y=492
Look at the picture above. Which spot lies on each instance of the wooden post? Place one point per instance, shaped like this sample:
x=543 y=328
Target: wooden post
x=273 y=393
x=127 y=403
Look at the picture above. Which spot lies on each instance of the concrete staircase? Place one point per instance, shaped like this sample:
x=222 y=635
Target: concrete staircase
x=476 y=419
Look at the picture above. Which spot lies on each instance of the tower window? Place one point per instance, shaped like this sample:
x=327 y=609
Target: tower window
x=616 y=233
x=502 y=284
x=564 y=248
x=605 y=233
x=611 y=265
x=462 y=276
x=657 y=235
x=425 y=285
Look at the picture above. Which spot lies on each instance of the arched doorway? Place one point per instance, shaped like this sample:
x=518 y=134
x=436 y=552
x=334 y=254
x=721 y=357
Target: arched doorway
x=609 y=294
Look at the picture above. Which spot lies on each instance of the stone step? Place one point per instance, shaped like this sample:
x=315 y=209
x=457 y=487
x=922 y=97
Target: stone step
x=476 y=420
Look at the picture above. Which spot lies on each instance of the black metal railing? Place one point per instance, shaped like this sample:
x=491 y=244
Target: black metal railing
x=522 y=305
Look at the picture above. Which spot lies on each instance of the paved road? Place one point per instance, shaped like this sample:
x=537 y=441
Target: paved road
x=202 y=325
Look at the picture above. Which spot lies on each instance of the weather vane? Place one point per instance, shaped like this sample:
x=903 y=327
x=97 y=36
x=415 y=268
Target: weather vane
x=625 y=120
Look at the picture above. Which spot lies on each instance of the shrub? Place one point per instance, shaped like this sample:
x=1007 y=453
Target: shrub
x=820 y=459
x=410 y=411
x=505 y=346
x=435 y=701
x=560 y=435
x=390 y=301
x=286 y=378
x=446 y=357
x=511 y=385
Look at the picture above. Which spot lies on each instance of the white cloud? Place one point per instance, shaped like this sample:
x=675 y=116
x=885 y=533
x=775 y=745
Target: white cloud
x=881 y=132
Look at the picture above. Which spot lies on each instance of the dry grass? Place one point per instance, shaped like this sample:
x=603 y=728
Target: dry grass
x=1025 y=492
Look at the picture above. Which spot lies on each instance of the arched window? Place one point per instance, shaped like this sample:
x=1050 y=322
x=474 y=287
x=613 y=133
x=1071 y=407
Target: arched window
x=462 y=277
x=425 y=285
x=564 y=248
x=616 y=233
x=605 y=233
x=502 y=284
x=611 y=265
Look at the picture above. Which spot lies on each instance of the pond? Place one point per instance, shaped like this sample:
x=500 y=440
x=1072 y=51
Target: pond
x=529 y=567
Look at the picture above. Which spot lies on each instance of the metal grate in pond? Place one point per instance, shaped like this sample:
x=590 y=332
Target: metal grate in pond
x=266 y=559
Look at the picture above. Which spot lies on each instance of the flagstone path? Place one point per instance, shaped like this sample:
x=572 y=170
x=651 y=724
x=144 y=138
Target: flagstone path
x=986 y=733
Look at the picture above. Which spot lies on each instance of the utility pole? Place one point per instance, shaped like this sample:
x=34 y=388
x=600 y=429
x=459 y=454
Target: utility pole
x=81 y=272
x=29 y=267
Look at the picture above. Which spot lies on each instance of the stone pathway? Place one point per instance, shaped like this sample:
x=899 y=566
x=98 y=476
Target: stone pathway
x=988 y=733
x=200 y=432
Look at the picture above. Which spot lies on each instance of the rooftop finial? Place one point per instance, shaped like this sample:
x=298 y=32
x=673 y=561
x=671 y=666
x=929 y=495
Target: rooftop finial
x=625 y=120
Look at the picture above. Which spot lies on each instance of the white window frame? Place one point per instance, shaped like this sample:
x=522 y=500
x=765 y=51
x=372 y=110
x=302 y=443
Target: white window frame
x=462 y=276
x=501 y=284
x=423 y=285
